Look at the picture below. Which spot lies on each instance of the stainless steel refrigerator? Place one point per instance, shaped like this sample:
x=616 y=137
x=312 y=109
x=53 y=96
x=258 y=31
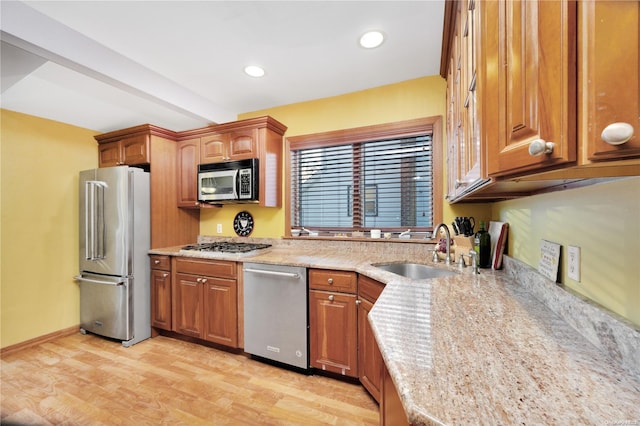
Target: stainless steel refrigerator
x=114 y=244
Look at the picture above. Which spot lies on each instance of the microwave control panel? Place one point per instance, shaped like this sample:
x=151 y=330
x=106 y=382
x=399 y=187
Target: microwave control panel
x=245 y=180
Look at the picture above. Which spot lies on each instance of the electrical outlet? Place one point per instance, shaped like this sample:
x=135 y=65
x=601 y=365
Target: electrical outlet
x=219 y=228
x=573 y=260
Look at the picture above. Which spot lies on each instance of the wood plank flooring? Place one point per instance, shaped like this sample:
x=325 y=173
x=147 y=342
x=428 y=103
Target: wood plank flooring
x=88 y=380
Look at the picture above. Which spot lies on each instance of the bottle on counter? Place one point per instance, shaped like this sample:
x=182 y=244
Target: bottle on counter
x=482 y=246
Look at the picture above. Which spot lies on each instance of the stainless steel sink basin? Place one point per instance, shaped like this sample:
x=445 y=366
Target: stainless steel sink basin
x=414 y=271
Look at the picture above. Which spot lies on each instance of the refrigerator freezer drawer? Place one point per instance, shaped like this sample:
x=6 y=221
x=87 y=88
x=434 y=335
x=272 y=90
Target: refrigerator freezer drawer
x=105 y=304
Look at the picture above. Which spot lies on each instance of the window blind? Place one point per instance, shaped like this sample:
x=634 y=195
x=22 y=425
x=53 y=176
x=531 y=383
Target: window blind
x=380 y=184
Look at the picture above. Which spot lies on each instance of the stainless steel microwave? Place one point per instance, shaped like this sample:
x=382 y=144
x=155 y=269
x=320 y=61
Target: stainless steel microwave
x=228 y=181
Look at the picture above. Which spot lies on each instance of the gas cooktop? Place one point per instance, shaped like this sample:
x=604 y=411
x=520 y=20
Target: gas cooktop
x=225 y=247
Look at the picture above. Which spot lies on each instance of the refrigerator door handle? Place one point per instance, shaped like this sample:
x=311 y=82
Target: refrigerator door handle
x=94 y=219
x=89 y=280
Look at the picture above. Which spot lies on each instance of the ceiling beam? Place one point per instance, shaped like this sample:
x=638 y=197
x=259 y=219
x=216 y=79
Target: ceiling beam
x=36 y=33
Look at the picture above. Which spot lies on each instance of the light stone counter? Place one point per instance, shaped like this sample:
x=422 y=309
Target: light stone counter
x=484 y=349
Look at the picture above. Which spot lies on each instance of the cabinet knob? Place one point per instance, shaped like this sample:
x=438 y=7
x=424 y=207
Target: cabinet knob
x=165 y=275
x=331 y=297
x=330 y=280
x=358 y=302
x=204 y=280
x=540 y=146
x=617 y=133
x=157 y=262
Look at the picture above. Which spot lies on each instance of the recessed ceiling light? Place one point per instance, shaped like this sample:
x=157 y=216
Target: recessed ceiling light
x=254 y=71
x=371 y=39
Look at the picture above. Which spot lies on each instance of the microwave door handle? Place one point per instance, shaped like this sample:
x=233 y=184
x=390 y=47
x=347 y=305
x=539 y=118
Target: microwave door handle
x=236 y=186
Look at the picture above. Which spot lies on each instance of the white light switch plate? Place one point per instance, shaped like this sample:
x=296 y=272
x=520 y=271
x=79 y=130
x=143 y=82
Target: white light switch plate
x=573 y=260
x=219 y=228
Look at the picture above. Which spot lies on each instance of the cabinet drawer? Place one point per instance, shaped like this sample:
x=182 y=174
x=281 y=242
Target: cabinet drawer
x=324 y=279
x=369 y=289
x=210 y=268
x=160 y=262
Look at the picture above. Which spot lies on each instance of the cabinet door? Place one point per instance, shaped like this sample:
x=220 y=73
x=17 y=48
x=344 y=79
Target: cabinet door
x=221 y=312
x=188 y=305
x=161 y=299
x=188 y=157
x=609 y=69
x=333 y=332
x=213 y=148
x=109 y=154
x=391 y=409
x=243 y=144
x=135 y=150
x=536 y=84
x=369 y=357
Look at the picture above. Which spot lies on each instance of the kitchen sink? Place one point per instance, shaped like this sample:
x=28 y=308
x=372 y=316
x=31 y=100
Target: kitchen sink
x=414 y=271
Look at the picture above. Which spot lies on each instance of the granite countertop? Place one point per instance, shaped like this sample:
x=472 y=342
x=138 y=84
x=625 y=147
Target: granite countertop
x=479 y=349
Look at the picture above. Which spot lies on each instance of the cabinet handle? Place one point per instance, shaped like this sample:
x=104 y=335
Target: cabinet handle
x=165 y=275
x=204 y=280
x=460 y=183
x=330 y=280
x=201 y=280
x=617 y=133
x=540 y=146
x=358 y=302
x=331 y=297
x=157 y=262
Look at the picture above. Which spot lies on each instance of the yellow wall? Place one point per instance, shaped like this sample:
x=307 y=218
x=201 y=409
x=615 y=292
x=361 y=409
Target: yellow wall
x=422 y=97
x=603 y=220
x=39 y=167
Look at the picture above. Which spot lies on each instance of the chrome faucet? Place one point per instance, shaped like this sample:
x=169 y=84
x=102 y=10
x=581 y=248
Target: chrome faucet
x=436 y=231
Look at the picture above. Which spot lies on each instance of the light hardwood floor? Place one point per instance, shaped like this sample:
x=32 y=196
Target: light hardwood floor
x=87 y=380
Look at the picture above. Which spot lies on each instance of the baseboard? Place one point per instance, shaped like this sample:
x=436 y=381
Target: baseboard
x=39 y=340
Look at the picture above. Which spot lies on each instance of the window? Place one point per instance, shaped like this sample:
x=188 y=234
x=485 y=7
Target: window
x=386 y=177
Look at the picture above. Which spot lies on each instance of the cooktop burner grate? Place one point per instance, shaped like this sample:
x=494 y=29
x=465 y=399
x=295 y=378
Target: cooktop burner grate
x=226 y=247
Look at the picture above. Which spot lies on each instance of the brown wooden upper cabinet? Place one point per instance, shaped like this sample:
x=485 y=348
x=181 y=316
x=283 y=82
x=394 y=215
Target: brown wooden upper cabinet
x=133 y=150
x=536 y=57
x=537 y=94
x=259 y=138
x=609 y=70
x=188 y=158
x=155 y=148
x=231 y=146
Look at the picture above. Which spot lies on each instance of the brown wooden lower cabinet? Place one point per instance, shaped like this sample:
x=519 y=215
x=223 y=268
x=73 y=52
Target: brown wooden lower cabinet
x=391 y=410
x=160 y=292
x=370 y=361
x=369 y=357
x=333 y=332
x=204 y=300
x=161 y=299
x=220 y=311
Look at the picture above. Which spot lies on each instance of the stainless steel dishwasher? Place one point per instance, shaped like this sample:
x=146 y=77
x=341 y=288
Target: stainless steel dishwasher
x=276 y=325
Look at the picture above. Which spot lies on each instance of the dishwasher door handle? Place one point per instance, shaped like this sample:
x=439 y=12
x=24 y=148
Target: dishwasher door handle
x=273 y=273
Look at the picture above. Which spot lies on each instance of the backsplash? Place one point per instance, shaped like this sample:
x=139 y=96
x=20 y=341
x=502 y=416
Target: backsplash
x=607 y=331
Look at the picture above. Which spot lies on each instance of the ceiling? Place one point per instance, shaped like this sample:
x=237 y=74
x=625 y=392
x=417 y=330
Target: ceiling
x=107 y=65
